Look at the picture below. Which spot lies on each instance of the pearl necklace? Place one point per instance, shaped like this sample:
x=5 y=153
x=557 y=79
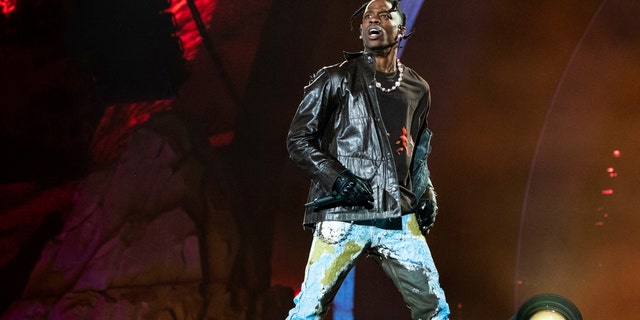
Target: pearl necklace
x=396 y=84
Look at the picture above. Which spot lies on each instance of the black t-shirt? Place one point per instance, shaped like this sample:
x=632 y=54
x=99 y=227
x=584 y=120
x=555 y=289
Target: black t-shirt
x=401 y=117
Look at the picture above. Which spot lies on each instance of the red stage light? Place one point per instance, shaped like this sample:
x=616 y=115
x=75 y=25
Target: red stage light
x=188 y=31
x=221 y=139
x=7 y=6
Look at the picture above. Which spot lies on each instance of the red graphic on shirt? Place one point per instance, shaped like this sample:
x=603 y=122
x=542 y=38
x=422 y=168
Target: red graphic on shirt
x=405 y=143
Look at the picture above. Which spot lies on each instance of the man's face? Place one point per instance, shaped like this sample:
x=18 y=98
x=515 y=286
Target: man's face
x=380 y=28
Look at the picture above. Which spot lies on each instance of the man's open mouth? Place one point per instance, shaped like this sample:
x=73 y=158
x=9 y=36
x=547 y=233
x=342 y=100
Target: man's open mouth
x=374 y=32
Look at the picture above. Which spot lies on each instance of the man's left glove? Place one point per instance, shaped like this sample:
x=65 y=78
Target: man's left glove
x=426 y=214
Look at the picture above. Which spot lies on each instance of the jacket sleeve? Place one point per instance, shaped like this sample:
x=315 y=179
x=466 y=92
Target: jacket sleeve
x=423 y=187
x=304 y=140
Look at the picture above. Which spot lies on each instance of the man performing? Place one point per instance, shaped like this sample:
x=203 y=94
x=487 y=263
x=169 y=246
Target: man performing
x=353 y=133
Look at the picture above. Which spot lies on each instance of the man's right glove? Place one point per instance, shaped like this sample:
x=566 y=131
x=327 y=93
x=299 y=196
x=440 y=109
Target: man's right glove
x=353 y=190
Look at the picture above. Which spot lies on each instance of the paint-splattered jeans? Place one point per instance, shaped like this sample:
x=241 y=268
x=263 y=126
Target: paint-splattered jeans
x=403 y=255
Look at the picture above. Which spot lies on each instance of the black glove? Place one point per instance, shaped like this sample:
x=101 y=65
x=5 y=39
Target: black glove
x=353 y=190
x=426 y=214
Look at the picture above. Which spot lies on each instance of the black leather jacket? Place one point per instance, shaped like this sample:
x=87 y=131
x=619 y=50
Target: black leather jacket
x=338 y=126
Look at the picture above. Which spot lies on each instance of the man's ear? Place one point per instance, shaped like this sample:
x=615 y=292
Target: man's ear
x=402 y=30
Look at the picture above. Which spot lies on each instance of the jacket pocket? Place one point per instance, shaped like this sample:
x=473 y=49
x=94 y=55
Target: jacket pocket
x=365 y=168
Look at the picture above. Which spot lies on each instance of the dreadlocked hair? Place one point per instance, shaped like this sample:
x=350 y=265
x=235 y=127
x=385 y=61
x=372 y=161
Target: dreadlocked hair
x=395 y=7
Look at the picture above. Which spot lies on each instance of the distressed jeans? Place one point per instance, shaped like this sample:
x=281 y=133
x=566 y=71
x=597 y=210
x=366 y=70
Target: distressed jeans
x=403 y=255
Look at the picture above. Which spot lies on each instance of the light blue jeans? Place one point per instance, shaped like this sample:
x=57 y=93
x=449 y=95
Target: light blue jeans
x=403 y=255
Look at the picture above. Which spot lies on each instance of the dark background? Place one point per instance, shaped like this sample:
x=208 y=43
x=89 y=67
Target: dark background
x=530 y=101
